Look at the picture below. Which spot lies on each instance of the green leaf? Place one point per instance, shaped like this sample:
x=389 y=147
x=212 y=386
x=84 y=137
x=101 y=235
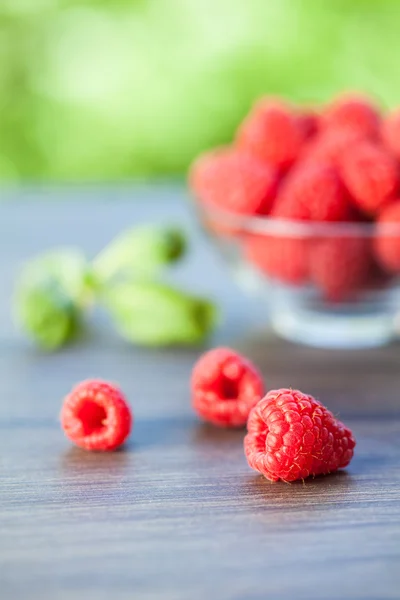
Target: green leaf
x=142 y=250
x=67 y=266
x=46 y=313
x=51 y=291
x=154 y=314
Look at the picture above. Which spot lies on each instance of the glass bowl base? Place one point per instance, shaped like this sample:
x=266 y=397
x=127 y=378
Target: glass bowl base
x=322 y=330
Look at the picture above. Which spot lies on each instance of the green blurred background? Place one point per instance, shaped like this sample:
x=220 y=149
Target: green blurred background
x=116 y=89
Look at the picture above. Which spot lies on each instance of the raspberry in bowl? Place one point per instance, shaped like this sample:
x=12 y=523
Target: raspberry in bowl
x=308 y=218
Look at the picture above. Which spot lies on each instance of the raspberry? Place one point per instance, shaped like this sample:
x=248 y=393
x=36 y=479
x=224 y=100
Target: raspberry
x=370 y=174
x=308 y=122
x=272 y=133
x=352 y=112
x=95 y=416
x=340 y=266
x=292 y=436
x=391 y=133
x=282 y=258
x=379 y=279
x=234 y=181
x=387 y=239
x=225 y=387
x=312 y=193
x=328 y=147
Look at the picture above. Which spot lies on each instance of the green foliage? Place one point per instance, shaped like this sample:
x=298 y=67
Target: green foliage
x=54 y=291
x=143 y=249
x=153 y=314
x=47 y=314
x=50 y=296
x=94 y=89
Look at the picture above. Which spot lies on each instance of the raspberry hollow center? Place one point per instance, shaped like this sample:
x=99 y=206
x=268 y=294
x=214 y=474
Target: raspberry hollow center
x=92 y=416
x=230 y=388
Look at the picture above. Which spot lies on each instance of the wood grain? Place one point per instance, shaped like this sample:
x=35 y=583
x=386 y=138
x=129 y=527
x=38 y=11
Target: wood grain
x=177 y=514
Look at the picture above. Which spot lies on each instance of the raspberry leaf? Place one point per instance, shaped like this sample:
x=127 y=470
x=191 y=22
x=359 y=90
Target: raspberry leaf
x=144 y=250
x=46 y=313
x=51 y=291
x=154 y=314
x=67 y=266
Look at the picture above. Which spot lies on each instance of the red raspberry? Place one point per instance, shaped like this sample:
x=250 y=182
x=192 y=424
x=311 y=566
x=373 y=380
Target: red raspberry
x=282 y=258
x=292 y=436
x=234 y=181
x=391 y=133
x=352 y=112
x=308 y=122
x=95 y=416
x=379 y=279
x=370 y=175
x=328 y=147
x=225 y=387
x=313 y=193
x=272 y=133
x=340 y=266
x=387 y=239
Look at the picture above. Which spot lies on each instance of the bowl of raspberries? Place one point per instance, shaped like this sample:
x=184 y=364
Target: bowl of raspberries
x=305 y=207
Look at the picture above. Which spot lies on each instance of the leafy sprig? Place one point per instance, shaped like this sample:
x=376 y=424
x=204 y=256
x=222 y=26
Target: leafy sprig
x=55 y=291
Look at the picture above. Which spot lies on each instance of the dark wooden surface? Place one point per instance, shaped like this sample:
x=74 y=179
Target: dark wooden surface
x=178 y=515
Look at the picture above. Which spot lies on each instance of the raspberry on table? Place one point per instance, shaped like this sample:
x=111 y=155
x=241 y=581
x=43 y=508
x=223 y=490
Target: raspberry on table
x=96 y=416
x=387 y=238
x=370 y=174
x=292 y=436
x=280 y=257
x=234 y=181
x=273 y=133
x=225 y=387
x=352 y=111
x=391 y=133
x=340 y=266
x=312 y=193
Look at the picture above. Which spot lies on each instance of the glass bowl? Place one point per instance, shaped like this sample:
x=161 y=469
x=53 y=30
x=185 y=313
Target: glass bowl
x=321 y=282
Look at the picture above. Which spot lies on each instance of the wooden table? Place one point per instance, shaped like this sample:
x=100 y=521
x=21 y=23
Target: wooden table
x=178 y=514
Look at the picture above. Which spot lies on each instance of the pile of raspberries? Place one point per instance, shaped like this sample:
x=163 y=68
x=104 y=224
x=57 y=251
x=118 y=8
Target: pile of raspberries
x=290 y=435
x=339 y=164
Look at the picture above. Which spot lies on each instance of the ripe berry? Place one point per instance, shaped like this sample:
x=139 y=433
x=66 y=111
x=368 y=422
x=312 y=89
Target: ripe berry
x=387 y=239
x=352 y=112
x=272 y=132
x=312 y=193
x=225 y=386
x=292 y=436
x=282 y=258
x=370 y=174
x=379 y=278
x=391 y=133
x=96 y=416
x=328 y=147
x=308 y=121
x=340 y=266
x=234 y=181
